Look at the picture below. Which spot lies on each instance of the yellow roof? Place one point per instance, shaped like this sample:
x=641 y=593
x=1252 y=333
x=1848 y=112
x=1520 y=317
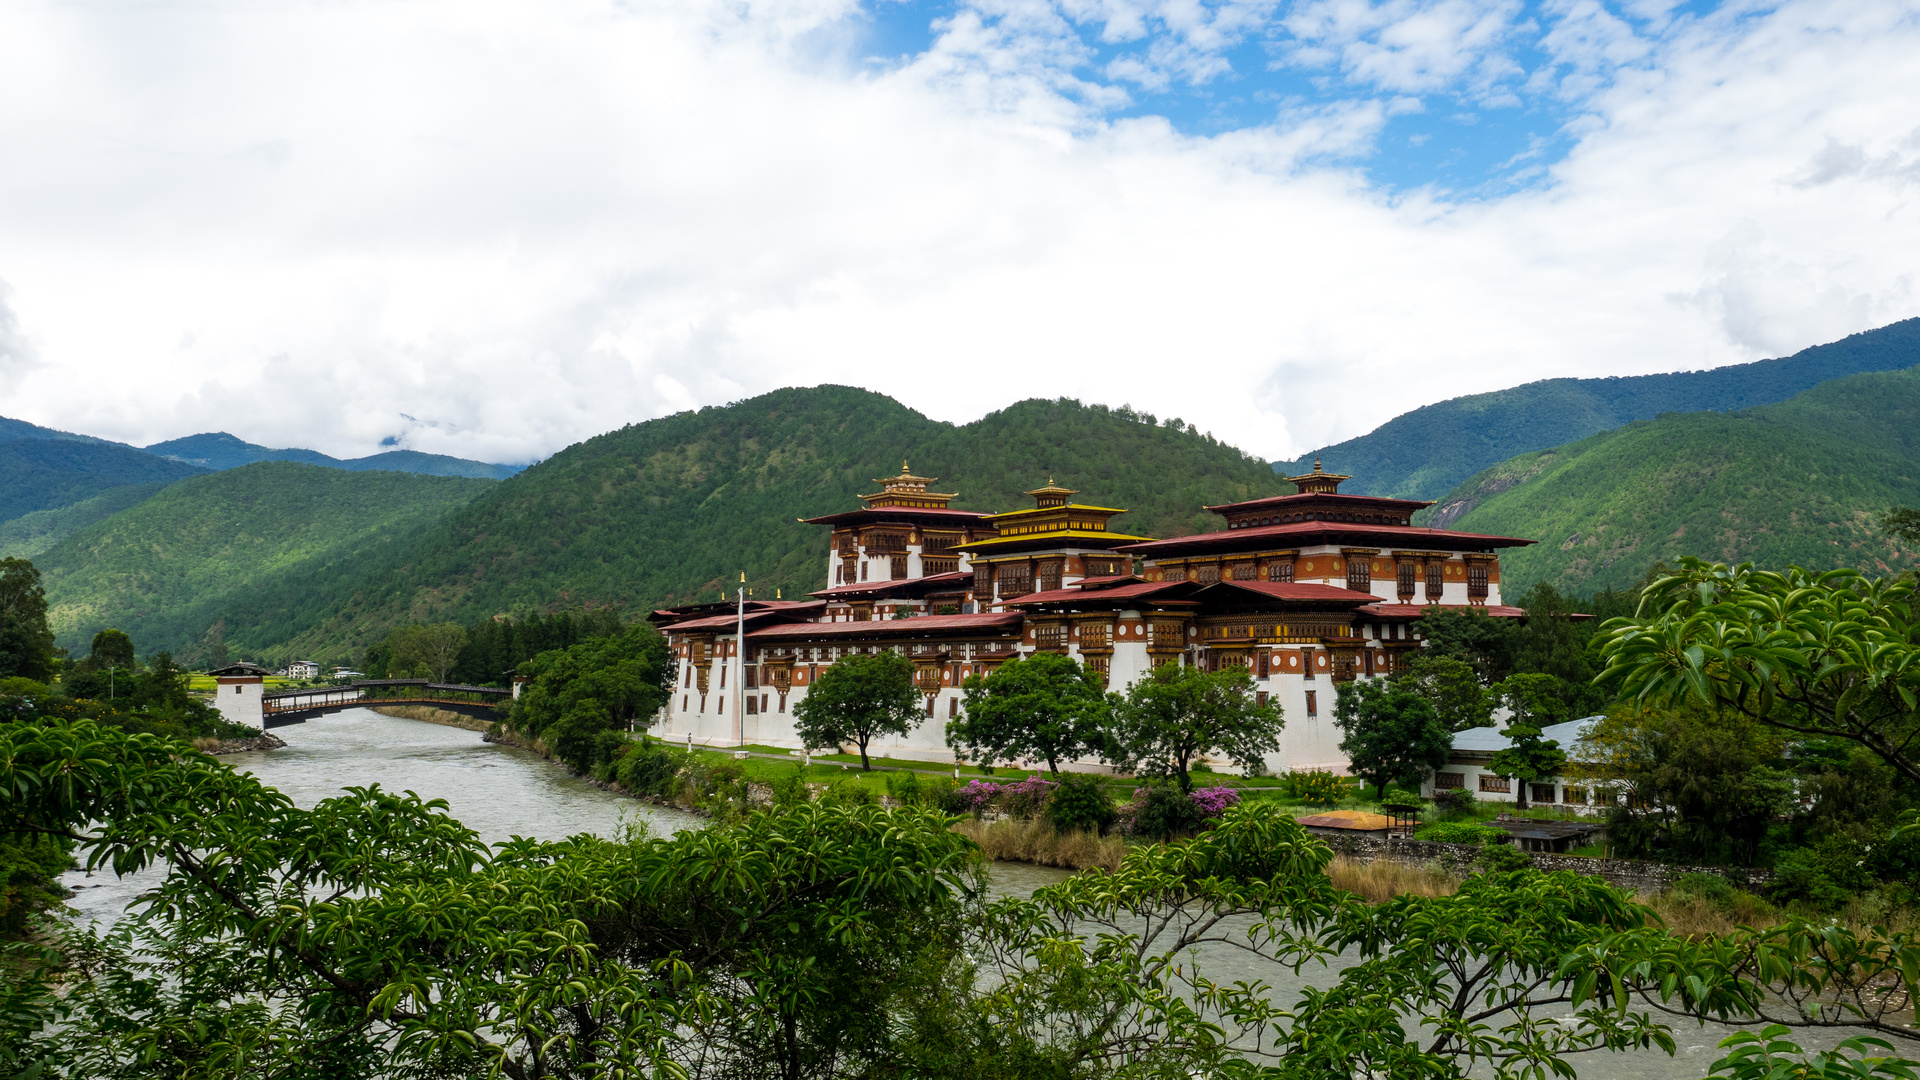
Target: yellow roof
x=1063 y=534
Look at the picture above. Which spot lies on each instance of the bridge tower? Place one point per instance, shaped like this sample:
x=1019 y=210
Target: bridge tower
x=237 y=690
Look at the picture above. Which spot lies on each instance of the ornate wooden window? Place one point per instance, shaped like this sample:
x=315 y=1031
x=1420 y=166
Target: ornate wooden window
x=1175 y=575
x=1101 y=567
x=1052 y=638
x=1280 y=571
x=753 y=678
x=1093 y=635
x=1263 y=666
x=1050 y=570
x=937 y=543
x=1490 y=782
x=1165 y=636
x=1405 y=581
x=931 y=567
x=1313 y=703
x=1436 y=580
x=899 y=567
x=1015 y=579
x=1306 y=662
x=1541 y=793
x=1360 y=575
x=1477 y=582
x=887 y=543
x=1449 y=781
x=1245 y=571
x=1207 y=574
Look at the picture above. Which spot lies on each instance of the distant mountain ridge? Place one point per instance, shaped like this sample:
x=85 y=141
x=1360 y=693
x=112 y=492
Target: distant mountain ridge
x=1425 y=453
x=45 y=474
x=1803 y=481
x=219 y=450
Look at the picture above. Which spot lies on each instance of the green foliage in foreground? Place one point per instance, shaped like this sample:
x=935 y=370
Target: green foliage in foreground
x=1804 y=482
x=173 y=566
x=374 y=935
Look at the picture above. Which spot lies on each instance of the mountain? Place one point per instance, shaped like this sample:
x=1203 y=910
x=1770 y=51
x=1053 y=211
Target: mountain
x=43 y=474
x=26 y=536
x=1425 y=453
x=219 y=450
x=20 y=429
x=673 y=509
x=1799 y=482
x=164 y=569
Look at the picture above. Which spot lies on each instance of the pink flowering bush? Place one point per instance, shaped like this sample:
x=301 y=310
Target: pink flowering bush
x=1024 y=800
x=1214 y=801
x=978 y=795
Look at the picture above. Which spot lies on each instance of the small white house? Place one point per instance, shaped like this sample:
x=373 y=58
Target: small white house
x=303 y=669
x=1473 y=749
x=237 y=690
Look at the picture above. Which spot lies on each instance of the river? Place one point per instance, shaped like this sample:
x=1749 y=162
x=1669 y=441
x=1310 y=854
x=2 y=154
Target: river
x=501 y=791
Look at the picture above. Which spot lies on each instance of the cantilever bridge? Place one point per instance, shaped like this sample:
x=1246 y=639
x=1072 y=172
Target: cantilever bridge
x=299 y=706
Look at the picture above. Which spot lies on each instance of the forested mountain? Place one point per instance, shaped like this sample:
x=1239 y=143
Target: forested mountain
x=1425 y=453
x=166 y=569
x=673 y=509
x=26 y=536
x=1800 y=482
x=20 y=429
x=219 y=450
x=42 y=474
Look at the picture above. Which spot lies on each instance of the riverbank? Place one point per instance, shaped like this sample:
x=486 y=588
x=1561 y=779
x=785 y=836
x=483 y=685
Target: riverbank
x=427 y=714
x=262 y=741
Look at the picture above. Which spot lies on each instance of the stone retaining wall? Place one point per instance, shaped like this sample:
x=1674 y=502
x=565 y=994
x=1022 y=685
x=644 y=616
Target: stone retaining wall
x=1630 y=874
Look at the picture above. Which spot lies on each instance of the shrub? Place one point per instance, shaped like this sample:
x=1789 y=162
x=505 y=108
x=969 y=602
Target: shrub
x=1461 y=832
x=1160 y=812
x=1027 y=799
x=1080 y=802
x=849 y=792
x=1317 y=786
x=1503 y=858
x=648 y=768
x=790 y=789
x=1211 y=802
x=1454 y=803
x=1402 y=796
x=904 y=787
x=977 y=796
x=1825 y=876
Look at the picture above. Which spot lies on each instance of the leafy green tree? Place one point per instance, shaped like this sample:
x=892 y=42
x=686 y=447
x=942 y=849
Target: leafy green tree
x=26 y=638
x=1178 y=714
x=1045 y=706
x=1391 y=733
x=1834 y=654
x=289 y=942
x=1902 y=523
x=1528 y=757
x=858 y=698
x=111 y=649
x=1452 y=687
x=1470 y=634
x=429 y=649
x=602 y=687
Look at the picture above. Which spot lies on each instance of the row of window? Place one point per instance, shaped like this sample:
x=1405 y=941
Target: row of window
x=1502 y=785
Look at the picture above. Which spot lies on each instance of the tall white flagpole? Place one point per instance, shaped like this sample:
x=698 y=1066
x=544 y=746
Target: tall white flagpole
x=740 y=663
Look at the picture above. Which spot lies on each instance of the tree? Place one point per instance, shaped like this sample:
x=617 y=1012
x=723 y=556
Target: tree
x=433 y=648
x=606 y=685
x=1177 y=714
x=1452 y=687
x=858 y=698
x=26 y=638
x=111 y=649
x=1391 y=732
x=1537 y=699
x=1044 y=706
x=1832 y=654
x=1472 y=635
x=1528 y=757
x=1902 y=523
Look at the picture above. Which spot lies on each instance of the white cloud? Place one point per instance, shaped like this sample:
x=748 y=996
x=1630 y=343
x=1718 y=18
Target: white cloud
x=521 y=224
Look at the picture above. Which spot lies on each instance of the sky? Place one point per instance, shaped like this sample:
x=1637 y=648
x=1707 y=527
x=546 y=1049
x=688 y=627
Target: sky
x=492 y=228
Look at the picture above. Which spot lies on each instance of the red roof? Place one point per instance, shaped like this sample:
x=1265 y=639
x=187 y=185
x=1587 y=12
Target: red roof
x=903 y=513
x=1414 y=611
x=1330 y=497
x=786 y=609
x=1294 y=533
x=1308 y=592
x=839 y=592
x=1120 y=592
x=921 y=624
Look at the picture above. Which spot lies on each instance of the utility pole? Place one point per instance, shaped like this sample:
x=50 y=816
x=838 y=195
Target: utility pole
x=740 y=662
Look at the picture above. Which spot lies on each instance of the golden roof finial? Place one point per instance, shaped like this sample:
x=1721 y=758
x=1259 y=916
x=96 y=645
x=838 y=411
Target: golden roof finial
x=1316 y=463
x=904 y=471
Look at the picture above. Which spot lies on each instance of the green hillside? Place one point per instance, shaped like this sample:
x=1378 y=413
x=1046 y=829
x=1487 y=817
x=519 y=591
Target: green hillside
x=673 y=509
x=1427 y=452
x=1798 y=482
x=44 y=474
x=165 y=569
x=26 y=536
